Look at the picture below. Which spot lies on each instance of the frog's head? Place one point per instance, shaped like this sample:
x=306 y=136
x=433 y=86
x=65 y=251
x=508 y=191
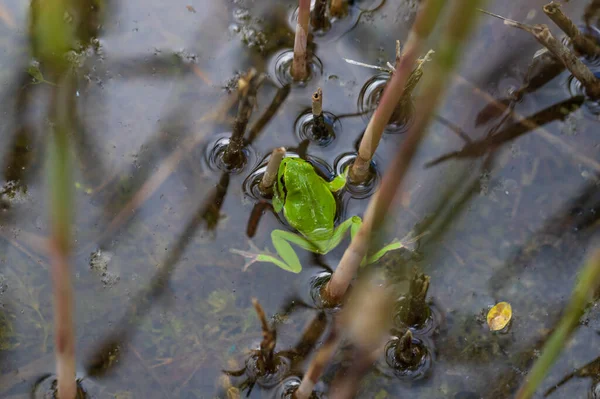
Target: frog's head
x=291 y=167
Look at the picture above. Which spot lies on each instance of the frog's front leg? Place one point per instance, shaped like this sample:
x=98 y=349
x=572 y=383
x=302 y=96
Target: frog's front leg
x=352 y=223
x=338 y=182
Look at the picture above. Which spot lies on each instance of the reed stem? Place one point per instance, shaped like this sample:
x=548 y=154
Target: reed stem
x=318 y=17
x=248 y=87
x=426 y=19
x=462 y=19
x=580 y=41
x=337 y=8
x=300 y=61
x=60 y=182
x=266 y=184
x=319 y=127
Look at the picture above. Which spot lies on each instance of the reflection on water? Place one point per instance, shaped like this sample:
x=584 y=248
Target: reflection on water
x=152 y=101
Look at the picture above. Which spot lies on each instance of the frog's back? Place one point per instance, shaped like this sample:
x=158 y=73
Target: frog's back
x=311 y=202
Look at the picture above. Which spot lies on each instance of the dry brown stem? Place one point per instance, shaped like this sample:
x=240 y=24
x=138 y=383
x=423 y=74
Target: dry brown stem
x=267 y=345
x=247 y=88
x=580 y=41
x=317 y=102
x=394 y=89
x=64 y=332
x=318 y=364
x=560 y=51
x=573 y=64
x=266 y=184
x=300 y=61
x=366 y=320
x=337 y=9
x=318 y=19
x=398 y=53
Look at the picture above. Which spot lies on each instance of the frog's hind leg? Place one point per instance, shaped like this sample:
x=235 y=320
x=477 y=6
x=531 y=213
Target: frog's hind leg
x=258 y=257
x=281 y=241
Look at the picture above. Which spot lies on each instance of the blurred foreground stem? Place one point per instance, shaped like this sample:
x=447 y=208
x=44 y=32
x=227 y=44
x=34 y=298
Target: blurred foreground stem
x=462 y=19
x=424 y=24
x=300 y=61
x=583 y=293
x=60 y=244
x=52 y=37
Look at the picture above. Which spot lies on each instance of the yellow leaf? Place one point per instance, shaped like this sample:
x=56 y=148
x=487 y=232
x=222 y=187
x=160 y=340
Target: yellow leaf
x=499 y=316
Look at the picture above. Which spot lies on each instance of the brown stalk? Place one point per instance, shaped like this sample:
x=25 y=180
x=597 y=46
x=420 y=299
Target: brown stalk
x=266 y=184
x=393 y=91
x=591 y=12
x=391 y=183
x=571 y=61
x=318 y=19
x=580 y=41
x=317 y=102
x=573 y=64
x=337 y=8
x=267 y=345
x=318 y=364
x=366 y=320
x=300 y=61
x=319 y=127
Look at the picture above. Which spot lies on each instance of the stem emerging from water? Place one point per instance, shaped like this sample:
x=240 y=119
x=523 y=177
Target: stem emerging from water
x=462 y=19
x=266 y=184
x=300 y=62
x=319 y=127
x=580 y=41
x=337 y=8
x=318 y=19
x=392 y=93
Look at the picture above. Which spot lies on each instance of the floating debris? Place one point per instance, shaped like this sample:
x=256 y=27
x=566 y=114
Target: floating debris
x=499 y=316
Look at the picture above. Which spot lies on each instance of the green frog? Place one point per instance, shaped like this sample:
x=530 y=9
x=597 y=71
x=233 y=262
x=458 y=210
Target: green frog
x=309 y=207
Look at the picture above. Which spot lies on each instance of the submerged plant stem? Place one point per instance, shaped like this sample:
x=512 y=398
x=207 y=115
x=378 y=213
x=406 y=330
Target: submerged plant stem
x=248 y=89
x=300 y=61
x=588 y=283
x=393 y=91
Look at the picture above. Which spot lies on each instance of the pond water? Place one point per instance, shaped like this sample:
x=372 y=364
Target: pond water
x=153 y=99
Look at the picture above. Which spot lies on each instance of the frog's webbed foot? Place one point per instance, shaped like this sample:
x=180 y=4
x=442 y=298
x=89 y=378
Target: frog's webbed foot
x=263 y=256
x=251 y=256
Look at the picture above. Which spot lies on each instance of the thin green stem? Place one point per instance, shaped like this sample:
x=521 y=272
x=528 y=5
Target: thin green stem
x=588 y=283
